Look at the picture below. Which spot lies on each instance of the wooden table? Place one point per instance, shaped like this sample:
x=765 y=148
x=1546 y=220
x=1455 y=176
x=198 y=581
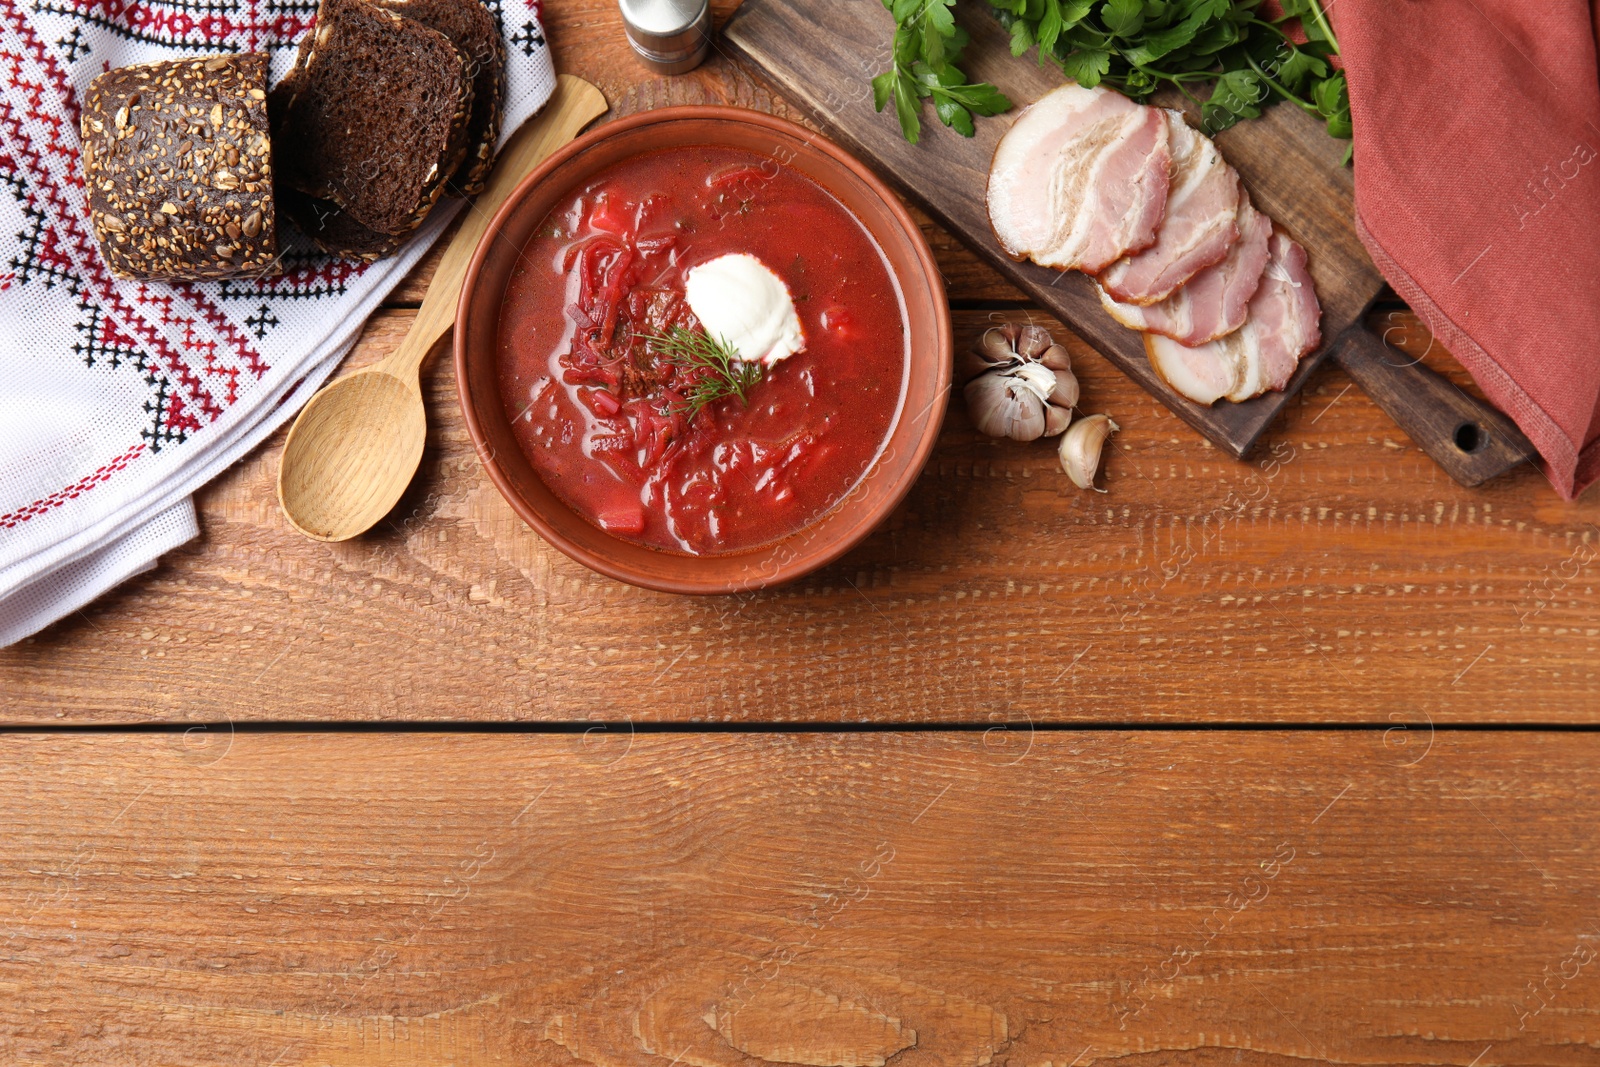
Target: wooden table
x=1235 y=764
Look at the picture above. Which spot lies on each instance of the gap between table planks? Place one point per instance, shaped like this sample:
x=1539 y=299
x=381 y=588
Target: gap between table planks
x=1021 y=899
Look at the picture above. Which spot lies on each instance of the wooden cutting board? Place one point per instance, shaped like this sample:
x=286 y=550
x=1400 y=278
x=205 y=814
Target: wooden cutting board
x=823 y=54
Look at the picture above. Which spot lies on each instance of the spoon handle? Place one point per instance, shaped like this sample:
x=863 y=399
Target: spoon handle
x=573 y=106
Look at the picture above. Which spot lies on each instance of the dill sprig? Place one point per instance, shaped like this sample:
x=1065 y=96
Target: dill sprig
x=712 y=367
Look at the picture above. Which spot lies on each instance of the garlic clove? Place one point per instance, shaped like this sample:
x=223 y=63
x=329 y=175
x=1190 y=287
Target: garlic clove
x=1056 y=419
x=1028 y=418
x=1059 y=360
x=1065 y=393
x=995 y=346
x=1081 y=446
x=973 y=363
x=1032 y=341
x=1002 y=405
x=1056 y=357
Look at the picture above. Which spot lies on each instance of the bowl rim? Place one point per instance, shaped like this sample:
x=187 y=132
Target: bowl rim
x=786 y=572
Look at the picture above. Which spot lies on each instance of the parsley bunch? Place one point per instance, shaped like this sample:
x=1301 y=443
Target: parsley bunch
x=927 y=43
x=1139 y=46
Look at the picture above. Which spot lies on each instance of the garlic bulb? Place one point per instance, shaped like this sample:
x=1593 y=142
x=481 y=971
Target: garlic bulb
x=1020 y=383
x=1013 y=403
x=1080 y=449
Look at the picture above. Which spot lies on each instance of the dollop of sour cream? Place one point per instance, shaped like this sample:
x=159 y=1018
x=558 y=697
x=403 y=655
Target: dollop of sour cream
x=738 y=300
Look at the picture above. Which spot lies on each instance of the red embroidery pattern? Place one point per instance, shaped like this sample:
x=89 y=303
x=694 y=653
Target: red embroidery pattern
x=101 y=344
x=254 y=24
x=71 y=492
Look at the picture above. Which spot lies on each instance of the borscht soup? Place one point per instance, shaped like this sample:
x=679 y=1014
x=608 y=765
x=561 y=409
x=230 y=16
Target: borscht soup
x=702 y=350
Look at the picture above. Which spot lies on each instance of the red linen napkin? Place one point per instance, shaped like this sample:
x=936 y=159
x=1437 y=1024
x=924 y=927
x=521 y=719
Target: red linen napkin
x=1477 y=168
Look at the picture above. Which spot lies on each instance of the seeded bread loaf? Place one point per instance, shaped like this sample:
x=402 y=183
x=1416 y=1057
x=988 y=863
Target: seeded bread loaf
x=373 y=116
x=472 y=30
x=178 y=168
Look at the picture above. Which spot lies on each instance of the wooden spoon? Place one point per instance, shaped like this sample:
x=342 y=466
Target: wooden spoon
x=356 y=446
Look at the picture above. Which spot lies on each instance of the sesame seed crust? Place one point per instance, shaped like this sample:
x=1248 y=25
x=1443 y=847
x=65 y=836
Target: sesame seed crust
x=178 y=166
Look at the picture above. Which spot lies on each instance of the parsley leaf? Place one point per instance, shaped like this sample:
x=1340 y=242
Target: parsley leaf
x=1087 y=66
x=1162 y=42
x=1332 y=98
x=1021 y=37
x=1237 y=95
x=1123 y=18
x=927 y=43
x=1297 y=67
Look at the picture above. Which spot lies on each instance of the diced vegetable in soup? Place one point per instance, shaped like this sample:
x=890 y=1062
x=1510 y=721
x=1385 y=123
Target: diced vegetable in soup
x=702 y=350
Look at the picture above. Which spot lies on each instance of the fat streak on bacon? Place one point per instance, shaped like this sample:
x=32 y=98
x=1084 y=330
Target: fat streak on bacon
x=1080 y=179
x=1280 y=327
x=1213 y=303
x=1197 y=229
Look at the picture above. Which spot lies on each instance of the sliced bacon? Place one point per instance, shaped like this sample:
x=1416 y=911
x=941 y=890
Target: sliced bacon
x=1080 y=179
x=1287 y=317
x=1281 y=326
x=1198 y=228
x=1204 y=375
x=1213 y=303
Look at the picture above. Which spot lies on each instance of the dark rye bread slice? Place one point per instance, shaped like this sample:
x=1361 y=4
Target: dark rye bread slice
x=178 y=168
x=333 y=231
x=373 y=115
x=471 y=28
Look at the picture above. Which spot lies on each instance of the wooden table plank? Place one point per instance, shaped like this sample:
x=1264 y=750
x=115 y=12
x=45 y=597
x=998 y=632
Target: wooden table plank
x=1089 y=898
x=1341 y=577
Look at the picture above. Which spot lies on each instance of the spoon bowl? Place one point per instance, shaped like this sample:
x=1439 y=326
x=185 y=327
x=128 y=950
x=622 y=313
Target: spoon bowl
x=356 y=446
x=351 y=454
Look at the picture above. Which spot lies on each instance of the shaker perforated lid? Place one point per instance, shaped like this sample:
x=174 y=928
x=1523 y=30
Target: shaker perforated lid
x=670 y=36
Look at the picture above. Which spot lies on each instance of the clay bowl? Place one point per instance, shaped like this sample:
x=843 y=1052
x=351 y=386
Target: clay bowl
x=911 y=437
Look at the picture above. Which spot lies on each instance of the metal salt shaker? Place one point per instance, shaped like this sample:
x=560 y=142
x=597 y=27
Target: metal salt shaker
x=671 y=36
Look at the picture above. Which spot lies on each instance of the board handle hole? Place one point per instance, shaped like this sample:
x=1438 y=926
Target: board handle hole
x=1468 y=437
